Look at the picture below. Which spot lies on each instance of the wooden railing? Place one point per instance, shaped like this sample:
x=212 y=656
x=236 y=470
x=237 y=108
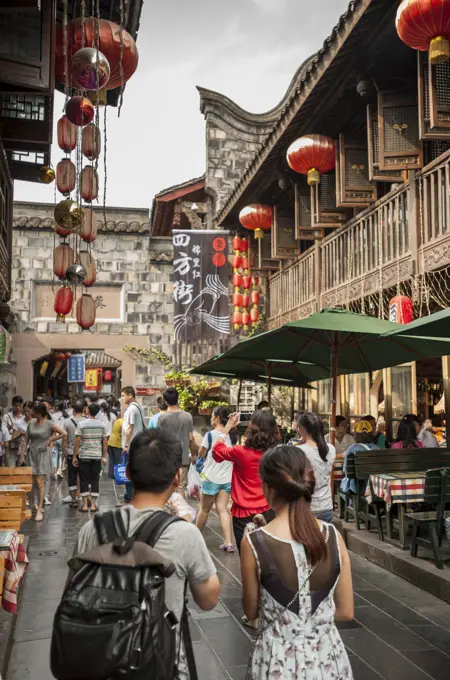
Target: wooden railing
x=293 y=287
x=434 y=201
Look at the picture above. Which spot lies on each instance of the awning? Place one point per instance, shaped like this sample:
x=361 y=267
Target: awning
x=101 y=360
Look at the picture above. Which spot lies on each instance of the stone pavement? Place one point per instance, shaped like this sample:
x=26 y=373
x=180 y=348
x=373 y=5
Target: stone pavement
x=399 y=631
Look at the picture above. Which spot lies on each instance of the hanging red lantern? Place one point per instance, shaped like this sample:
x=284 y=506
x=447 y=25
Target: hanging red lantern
x=255 y=281
x=401 y=309
x=237 y=262
x=107 y=376
x=80 y=111
x=86 y=311
x=89 y=183
x=67 y=134
x=246 y=282
x=244 y=245
x=68 y=355
x=88 y=262
x=91 y=141
x=245 y=264
x=61 y=231
x=60 y=356
x=245 y=320
x=425 y=25
x=255 y=297
x=237 y=299
x=257 y=218
x=237 y=280
x=63 y=257
x=237 y=320
x=254 y=315
x=63 y=303
x=237 y=244
x=245 y=301
x=120 y=51
x=312 y=155
x=66 y=176
x=89 y=226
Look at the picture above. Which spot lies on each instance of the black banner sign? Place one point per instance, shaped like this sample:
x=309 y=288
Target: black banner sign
x=200 y=285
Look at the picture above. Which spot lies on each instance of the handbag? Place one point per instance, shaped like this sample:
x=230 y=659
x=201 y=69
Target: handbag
x=120 y=471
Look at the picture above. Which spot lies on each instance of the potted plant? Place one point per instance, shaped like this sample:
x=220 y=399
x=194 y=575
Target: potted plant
x=186 y=400
x=207 y=407
x=178 y=379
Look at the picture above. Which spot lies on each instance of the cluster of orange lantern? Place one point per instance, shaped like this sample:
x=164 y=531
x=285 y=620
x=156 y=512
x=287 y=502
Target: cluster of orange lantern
x=92 y=56
x=245 y=304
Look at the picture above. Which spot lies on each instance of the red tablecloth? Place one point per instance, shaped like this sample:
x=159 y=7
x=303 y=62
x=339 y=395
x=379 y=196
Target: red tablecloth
x=397 y=488
x=16 y=562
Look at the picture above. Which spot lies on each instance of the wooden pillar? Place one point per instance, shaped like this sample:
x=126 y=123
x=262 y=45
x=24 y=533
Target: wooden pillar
x=387 y=387
x=414 y=236
x=446 y=378
x=317 y=274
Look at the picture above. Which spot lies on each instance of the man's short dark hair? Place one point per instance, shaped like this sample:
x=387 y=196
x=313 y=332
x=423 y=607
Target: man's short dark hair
x=372 y=419
x=161 y=404
x=155 y=457
x=78 y=407
x=94 y=410
x=17 y=400
x=171 y=396
x=129 y=391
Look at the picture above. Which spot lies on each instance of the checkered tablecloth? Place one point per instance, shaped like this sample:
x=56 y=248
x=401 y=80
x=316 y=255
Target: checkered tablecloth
x=339 y=470
x=16 y=562
x=397 y=488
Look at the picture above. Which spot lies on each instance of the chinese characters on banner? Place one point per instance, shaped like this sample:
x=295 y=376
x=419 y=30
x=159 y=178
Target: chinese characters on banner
x=76 y=368
x=200 y=285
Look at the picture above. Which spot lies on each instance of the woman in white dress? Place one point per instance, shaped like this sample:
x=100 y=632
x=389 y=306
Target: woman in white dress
x=296 y=577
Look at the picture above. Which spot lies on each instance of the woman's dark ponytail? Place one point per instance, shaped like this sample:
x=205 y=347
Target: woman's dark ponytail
x=286 y=472
x=314 y=427
x=222 y=413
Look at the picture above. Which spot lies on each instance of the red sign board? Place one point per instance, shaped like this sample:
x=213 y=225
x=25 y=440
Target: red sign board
x=147 y=391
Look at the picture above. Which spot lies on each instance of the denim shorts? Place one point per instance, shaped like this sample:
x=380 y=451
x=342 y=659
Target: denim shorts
x=212 y=489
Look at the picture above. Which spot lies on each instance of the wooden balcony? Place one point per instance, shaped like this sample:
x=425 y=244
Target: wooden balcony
x=405 y=233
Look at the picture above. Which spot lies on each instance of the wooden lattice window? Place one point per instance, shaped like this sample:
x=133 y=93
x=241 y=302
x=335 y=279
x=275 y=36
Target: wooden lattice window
x=434 y=98
x=323 y=202
x=398 y=123
x=352 y=173
x=373 y=148
x=284 y=243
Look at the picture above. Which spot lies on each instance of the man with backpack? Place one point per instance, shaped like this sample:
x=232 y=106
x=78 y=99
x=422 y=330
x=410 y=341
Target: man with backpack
x=116 y=621
x=133 y=423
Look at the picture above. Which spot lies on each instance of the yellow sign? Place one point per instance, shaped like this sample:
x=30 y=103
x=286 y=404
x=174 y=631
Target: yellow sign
x=91 y=379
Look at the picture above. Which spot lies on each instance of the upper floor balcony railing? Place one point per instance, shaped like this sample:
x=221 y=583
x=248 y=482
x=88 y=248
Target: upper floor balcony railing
x=405 y=232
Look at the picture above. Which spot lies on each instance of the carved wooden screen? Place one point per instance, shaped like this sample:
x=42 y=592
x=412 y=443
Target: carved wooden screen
x=6 y=206
x=323 y=201
x=434 y=98
x=398 y=125
x=375 y=174
x=26 y=47
x=354 y=186
x=284 y=243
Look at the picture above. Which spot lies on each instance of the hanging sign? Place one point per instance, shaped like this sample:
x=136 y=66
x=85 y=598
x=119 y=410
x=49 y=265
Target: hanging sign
x=76 y=368
x=200 y=285
x=91 y=379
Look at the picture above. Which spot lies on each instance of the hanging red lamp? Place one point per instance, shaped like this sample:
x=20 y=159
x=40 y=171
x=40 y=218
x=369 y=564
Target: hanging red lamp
x=237 y=280
x=86 y=311
x=115 y=44
x=107 y=376
x=245 y=300
x=257 y=218
x=63 y=257
x=246 y=282
x=91 y=141
x=63 y=304
x=401 y=309
x=89 y=183
x=68 y=355
x=312 y=155
x=80 y=111
x=88 y=262
x=66 y=176
x=237 y=299
x=89 y=226
x=237 y=320
x=61 y=231
x=256 y=298
x=67 y=135
x=245 y=319
x=254 y=316
x=425 y=25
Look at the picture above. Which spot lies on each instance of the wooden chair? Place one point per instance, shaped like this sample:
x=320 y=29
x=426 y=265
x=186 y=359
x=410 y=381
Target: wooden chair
x=437 y=492
x=11 y=508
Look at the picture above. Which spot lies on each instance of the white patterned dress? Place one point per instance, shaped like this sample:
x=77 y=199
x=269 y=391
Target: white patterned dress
x=298 y=638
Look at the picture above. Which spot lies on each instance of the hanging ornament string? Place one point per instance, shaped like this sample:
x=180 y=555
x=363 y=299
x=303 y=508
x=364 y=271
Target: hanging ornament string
x=65 y=52
x=122 y=78
x=104 y=165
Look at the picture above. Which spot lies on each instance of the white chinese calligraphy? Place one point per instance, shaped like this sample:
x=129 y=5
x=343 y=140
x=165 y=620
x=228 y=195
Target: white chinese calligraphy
x=182 y=292
x=181 y=240
x=182 y=264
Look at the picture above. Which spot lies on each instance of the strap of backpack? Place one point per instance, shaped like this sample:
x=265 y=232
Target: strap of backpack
x=151 y=531
x=109 y=526
x=187 y=640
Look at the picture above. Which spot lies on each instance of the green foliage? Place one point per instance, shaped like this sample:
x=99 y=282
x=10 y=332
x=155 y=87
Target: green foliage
x=210 y=404
x=150 y=355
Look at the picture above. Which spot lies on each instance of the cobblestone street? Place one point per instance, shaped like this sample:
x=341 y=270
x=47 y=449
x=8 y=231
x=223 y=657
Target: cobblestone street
x=399 y=631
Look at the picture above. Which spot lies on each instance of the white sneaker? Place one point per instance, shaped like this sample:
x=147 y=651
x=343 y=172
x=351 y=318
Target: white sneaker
x=67 y=499
x=47 y=501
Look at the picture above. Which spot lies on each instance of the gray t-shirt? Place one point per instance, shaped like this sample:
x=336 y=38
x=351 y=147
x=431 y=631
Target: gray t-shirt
x=70 y=425
x=181 y=543
x=182 y=425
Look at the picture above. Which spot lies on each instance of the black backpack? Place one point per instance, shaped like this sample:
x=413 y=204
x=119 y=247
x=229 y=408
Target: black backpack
x=112 y=622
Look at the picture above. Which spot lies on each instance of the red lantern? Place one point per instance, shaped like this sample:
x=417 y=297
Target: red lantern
x=312 y=155
x=66 y=176
x=237 y=299
x=237 y=320
x=107 y=376
x=255 y=281
x=254 y=315
x=68 y=355
x=121 y=53
x=425 y=25
x=237 y=280
x=255 y=297
x=89 y=183
x=246 y=282
x=88 y=262
x=244 y=245
x=60 y=356
x=245 y=300
x=257 y=218
x=67 y=135
x=89 y=226
x=80 y=111
x=245 y=264
x=237 y=262
x=401 y=309
x=237 y=244
x=245 y=320
x=86 y=311
x=63 y=257
x=61 y=231
x=91 y=141
x=63 y=303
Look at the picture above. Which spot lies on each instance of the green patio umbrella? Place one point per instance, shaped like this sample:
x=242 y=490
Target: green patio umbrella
x=339 y=341
x=435 y=326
